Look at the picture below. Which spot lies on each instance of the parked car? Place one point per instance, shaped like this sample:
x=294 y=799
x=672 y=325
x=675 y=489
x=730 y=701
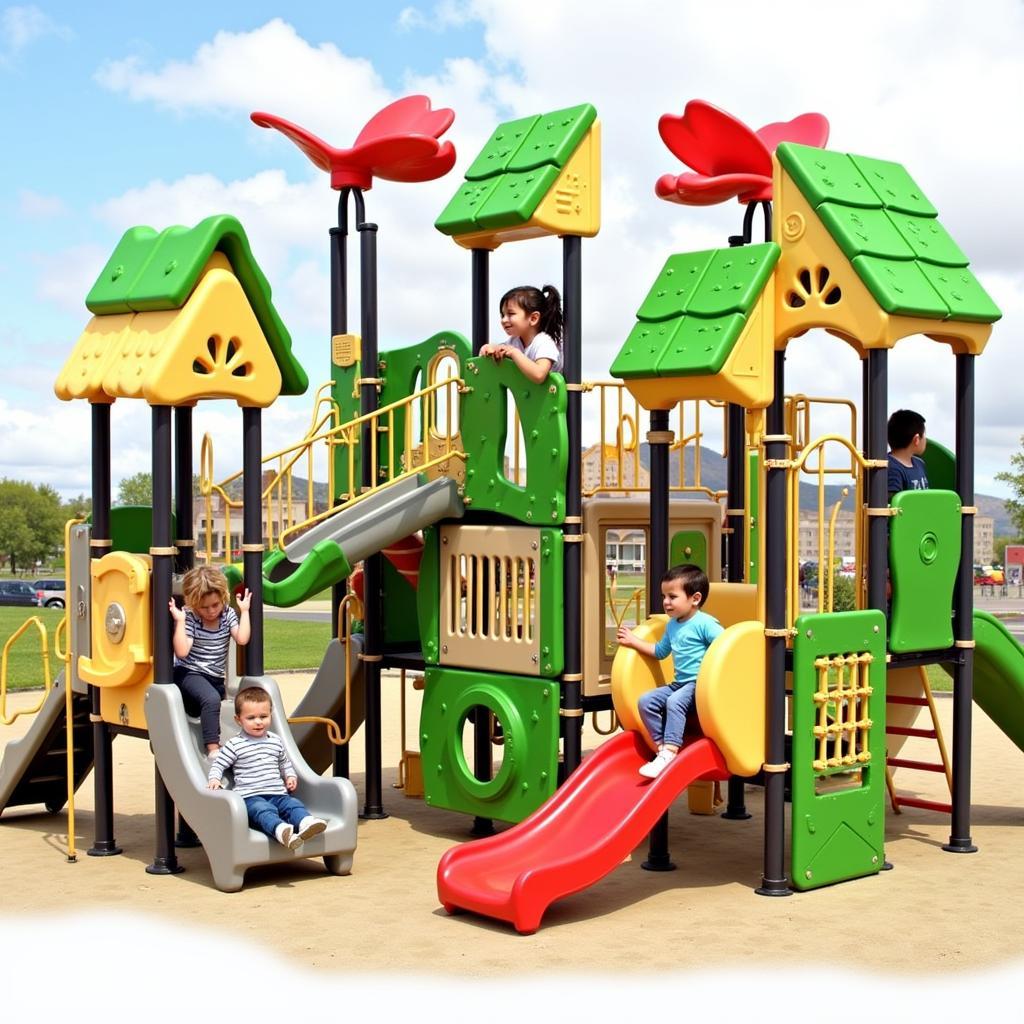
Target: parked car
x=52 y=592
x=20 y=593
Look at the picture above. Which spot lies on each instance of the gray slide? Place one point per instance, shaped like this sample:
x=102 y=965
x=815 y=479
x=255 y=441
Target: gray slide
x=219 y=817
x=34 y=768
x=325 y=698
x=395 y=512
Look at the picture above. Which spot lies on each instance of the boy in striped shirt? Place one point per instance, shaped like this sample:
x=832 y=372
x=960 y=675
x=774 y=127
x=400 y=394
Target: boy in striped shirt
x=264 y=776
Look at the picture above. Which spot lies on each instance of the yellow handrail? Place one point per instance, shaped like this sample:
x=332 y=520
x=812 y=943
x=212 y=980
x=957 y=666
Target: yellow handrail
x=44 y=650
x=69 y=711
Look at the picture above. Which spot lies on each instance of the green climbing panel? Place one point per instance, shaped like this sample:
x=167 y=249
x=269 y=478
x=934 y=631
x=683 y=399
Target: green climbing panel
x=753 y=569
x=924 y=553
x=689 y=546
x=527 y=710
x=838 y=773
x=541 y=407
x=428 y=596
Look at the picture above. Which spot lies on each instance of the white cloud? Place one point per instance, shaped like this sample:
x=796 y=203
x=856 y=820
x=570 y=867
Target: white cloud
x=36 y=206
x=447 y=14
x=20 y=26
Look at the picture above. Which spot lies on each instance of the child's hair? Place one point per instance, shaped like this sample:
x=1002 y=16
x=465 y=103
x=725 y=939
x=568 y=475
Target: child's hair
x=252 y=695
x=201 y=582
x=903 y=425
x=693 y=578
x=545 y=301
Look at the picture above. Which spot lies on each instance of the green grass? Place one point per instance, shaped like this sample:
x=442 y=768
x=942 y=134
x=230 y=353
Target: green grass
x=287 y=645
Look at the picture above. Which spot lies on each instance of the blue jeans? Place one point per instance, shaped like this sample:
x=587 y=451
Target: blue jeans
x=267 y=812
x=664 y=711
x=201 y=695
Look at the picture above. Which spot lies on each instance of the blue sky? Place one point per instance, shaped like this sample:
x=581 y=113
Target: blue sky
x=119 y=114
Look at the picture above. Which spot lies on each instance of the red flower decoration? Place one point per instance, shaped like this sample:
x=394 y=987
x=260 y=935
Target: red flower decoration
x=399 y=143
x=728 y=158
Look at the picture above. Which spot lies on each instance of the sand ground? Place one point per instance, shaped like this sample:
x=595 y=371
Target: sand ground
x=934 y=913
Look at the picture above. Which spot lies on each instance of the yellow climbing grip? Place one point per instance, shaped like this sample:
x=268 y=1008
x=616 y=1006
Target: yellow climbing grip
x=122 y=622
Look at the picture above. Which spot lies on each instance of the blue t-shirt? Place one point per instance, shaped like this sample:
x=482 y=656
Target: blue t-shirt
x=906 y=478
x=688 y=641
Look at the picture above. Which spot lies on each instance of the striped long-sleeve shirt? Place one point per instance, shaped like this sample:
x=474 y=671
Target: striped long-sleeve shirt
x=259 y=764
x=209 y=650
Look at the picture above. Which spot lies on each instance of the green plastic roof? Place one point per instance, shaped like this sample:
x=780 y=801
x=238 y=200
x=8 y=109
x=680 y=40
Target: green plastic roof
x=515 y=170
x=696 y=311
x=890 y=232
x=151 y=270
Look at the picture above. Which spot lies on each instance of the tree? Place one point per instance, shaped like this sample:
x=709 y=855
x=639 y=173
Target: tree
x=136 y=489
x=1015 y=478
x=79 y=507
x=31 y=522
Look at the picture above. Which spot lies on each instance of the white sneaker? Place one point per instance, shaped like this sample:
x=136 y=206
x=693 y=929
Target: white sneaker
x=310 y=826
x=286 y=836
x=652 y=769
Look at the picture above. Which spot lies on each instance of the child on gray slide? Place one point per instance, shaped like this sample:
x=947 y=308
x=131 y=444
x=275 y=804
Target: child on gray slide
x=264 y=775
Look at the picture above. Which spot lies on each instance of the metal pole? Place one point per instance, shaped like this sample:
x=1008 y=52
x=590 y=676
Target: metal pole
x=736 y=808
x=373 y=569
x=658 y=856
x=774 y=881
x=963 y=615
x=878 y=487
x=165 y=861
x=252 y=534
x=572 y=368
x=99 y=544
x=339 y=325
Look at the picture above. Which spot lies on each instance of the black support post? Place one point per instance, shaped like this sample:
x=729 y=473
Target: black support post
x=252 y=534
x=373 y=570
x=99 y=544
x=736 y=521
x=572 y=368
x=963 y=612
x=659 y=440
x=876 y=391
x=165 y=861
x=773 y=880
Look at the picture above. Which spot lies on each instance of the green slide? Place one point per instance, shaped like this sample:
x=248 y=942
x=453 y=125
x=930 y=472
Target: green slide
x=999 y=675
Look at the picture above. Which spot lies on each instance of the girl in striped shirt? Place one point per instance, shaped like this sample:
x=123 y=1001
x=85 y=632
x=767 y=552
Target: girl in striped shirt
x=201 y=632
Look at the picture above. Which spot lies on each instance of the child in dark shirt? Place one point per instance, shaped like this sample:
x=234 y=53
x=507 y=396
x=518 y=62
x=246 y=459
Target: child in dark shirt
x=906 y=446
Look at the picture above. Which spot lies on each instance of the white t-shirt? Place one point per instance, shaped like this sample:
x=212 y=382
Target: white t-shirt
x=543 y=346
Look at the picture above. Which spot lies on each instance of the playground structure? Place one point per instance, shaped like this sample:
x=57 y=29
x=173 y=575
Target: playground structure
x=502 y=601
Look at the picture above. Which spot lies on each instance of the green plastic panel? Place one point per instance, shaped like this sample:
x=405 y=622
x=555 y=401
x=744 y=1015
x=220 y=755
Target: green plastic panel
x=150 y=271
x=753 y=569
x=940 y=466
x=863 y=232
x=528 y=712
x=823 y=175
x=734 y=279
x=400 y=622
x=541 y=407
x=928 y=239
x=515 y=197
x=552 y=603
x=428 y=596
x=553 y=138
x=641 y=352
x=894 y=186
x=498 y=150
x=688 y=546
x=838 y=827
x=459 y=216
x=960 y=290
x=924 y=553
x=900 y=287
x=131 y=528
x=675 y=285
x=700 y=346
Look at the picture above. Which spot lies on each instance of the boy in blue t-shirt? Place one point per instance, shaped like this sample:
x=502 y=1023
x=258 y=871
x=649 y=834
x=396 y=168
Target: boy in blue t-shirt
x=906 y=446
x=688 y=635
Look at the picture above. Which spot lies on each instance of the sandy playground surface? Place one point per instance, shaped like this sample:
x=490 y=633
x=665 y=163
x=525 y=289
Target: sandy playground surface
x=935 y=913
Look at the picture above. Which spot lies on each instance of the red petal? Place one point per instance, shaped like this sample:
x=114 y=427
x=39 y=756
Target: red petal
x=714 y=142
x=701 y=190
x=807 y=129
x=410 y=115
x=422 y=170
x=322 y=154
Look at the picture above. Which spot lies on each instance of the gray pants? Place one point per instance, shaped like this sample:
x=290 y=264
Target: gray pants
x=202 y=695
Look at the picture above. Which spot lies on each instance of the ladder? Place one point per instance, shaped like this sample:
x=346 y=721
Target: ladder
x=934 y=733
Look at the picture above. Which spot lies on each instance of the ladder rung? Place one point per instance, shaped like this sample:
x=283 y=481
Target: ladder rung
x=927 y=805
x=921 y=766
x=917 y=702
x=38 y=780
x=903 y=730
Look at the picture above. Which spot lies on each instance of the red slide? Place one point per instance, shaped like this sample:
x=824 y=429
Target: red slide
x=604 y=809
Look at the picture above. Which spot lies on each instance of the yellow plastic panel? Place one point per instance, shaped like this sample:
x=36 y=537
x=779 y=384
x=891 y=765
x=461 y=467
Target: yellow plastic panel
x=731 y=696
x=812 y=266
x=83 y=373
x=122 y=628
x=732 y=602
x=572 y=205
x=633 y=675
x=125 y=705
